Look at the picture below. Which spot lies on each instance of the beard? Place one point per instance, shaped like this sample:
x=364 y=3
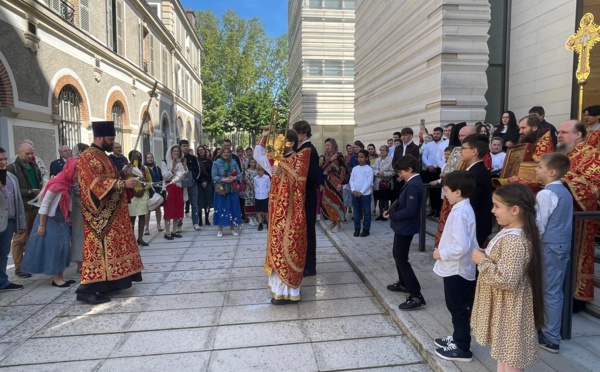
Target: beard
x=105 y=146
x=528 y=138
x=563 y=148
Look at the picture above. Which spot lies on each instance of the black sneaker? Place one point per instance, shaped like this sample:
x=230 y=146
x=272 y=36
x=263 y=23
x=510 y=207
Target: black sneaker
x=364 y=233
x=443 y=342
x=260 y=227
x=547 y=345
x=453 y=353
x=412 y=303
x=357 y=232
x=12 y=287
x=397 y=287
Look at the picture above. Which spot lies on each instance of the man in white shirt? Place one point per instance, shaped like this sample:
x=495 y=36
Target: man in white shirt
x=431 y=170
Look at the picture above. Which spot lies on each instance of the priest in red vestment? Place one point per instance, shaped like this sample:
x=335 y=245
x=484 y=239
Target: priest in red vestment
x=583 y=180
x=111 y=259
x=287 y=237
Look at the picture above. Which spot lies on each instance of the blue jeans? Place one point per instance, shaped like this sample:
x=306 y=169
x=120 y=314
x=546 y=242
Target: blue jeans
x=5 y=239
x=361 y=209
x=554 y=259
x=193 y=198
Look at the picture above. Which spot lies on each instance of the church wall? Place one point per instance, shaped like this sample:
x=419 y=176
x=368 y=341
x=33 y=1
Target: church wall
x=540 y=68
x=419 y=60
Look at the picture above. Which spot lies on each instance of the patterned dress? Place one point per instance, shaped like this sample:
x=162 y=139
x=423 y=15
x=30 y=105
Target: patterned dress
x=503 y=310
x=333 y=200
x=249 y=178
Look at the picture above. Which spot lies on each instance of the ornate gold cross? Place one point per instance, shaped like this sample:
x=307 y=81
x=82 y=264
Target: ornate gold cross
x=582 y=42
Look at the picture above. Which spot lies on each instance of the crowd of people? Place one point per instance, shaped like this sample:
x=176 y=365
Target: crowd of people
x=80 y=213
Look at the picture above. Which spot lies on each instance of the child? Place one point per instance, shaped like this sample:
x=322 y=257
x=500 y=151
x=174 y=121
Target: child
x=455 y=266
x=509 y=304
x=406 y=221
x=262 y=186
x=361 y=181
x=249 y=175
x=497 y=155
x=554 y=218
x=474 y=149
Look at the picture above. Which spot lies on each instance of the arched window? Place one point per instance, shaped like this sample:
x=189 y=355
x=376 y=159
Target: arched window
x=188 y=132
x=117 y=117
x=69 y=129
x=178 y=129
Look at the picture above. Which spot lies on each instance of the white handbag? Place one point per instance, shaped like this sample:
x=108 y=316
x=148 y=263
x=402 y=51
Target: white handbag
x=155 y=201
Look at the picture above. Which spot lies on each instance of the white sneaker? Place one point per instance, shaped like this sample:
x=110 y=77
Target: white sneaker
x=318 y=217
x=219 y=234
x=252 y=223
x=197 y=227
x=234 y=233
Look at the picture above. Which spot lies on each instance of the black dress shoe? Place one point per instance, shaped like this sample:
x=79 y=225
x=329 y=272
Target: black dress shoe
x=283 y=302
x=22 y=274
x=176 y=235
x=71 y=281
x=92 y=298
x=357 y=232
x=397 y=287
x=169 y=237
x=64 y=285
x=143 y=243
x=380 y=218
x=310 y=273
x=364 y=233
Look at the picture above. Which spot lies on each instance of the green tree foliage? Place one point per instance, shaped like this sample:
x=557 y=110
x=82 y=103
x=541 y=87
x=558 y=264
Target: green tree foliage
x=244 y=74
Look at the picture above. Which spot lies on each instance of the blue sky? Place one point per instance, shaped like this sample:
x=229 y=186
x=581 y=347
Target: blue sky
x=273 y=13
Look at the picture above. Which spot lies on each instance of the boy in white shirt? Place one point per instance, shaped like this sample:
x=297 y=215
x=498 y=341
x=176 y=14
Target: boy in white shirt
x=497 y=155
x=454 y=264
x=361 y=181
x=262 y=186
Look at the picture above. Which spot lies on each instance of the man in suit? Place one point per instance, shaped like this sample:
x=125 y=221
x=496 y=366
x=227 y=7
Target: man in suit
x=407 y=147
x=303 y=130
x=474 y=149
x=12 y=219
x=57 y=165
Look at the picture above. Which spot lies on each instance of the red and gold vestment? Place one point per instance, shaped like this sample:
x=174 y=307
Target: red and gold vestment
x=286 y=238
x=110 y=250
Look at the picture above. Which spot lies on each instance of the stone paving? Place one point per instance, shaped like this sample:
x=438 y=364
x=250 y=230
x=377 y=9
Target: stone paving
x=371 y=257
x=204 y=306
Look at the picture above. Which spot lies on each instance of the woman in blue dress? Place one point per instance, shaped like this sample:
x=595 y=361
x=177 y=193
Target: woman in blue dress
x=49 y=245
x=226 y=172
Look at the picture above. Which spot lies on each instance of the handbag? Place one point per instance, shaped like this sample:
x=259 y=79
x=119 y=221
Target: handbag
x=155 y=201
x=223 y=188
x=385 y=184
x=188 y=180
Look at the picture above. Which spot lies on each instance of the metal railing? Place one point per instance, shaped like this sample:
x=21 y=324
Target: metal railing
x=67 y=11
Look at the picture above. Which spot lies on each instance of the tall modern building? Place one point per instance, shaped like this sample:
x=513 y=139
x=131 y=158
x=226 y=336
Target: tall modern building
x=321 y=67
x=452 y=61
x=66 y=63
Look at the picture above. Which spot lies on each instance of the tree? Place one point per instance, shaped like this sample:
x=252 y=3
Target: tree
x=243 y=70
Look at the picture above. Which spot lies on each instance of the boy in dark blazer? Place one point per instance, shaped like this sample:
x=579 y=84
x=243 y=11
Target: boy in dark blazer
x=405 y=221
x=474 y=149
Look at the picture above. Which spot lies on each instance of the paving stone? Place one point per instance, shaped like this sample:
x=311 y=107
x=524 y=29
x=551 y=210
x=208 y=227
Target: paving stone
x=365 y=353
x=165 y=362
x=198 y=274
x=87 y=324
x=197 y=286
x=259 y=334
x=337 y=308
x=45 y=350
x=165 y=342
x=334 y=291
x=116 y=305
x=350 y=327
x=298 y=358
x=203 y=265
x=186 y=301
x=84 y=366
x=12 y=316
x=176 y=319
x=259 y=313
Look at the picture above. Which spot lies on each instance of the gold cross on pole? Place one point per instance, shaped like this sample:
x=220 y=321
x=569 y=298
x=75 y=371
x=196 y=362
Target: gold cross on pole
x=582 y=42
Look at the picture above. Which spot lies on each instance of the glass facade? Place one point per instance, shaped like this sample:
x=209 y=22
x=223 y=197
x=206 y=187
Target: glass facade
x=69 y=129
x=496 y=95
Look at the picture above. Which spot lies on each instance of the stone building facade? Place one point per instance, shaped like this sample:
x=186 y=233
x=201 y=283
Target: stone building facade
x=66 y=63
x=321 y=67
